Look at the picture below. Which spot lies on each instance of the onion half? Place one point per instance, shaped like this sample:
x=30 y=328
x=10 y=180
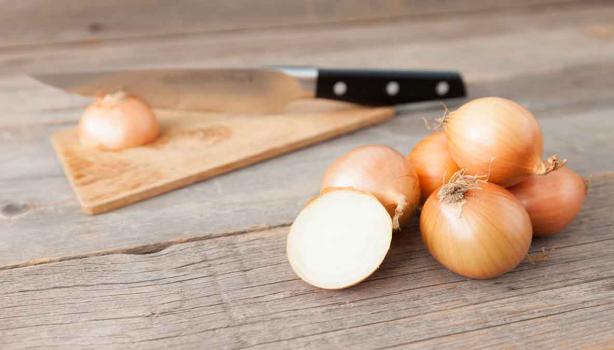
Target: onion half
x=339 y=239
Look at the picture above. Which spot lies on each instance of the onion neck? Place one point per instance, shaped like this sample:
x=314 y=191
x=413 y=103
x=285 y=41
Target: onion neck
x=114 y=97
x=455 y=190
x=398 y=212
x=553 y=163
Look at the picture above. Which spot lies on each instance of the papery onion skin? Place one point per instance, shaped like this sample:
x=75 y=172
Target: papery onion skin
x=432 y=162
x=118 y=121
x=381 y=171
x=552 y=200
x=486 y=236
x=496 y=137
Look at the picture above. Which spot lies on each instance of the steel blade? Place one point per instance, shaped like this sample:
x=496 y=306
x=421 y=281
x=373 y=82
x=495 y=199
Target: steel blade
x=232 y=90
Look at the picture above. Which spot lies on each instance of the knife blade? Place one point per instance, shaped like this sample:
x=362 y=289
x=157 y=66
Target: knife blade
x=261 y=89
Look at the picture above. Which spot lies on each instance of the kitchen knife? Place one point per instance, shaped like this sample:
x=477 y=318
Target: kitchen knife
x=264 y=89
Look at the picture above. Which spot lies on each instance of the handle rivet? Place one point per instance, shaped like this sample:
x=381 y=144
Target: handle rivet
x=442 y=88
x=392 y=88
x=340 y=88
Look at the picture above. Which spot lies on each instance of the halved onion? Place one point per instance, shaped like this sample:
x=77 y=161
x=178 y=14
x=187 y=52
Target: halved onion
x=339 y=239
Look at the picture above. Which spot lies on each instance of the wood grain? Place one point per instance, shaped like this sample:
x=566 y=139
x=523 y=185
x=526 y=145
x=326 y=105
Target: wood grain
x=196 y=146
x=238 y=291
x=46 y=22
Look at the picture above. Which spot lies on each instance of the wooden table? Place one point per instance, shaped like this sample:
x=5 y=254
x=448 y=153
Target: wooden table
x=205 y=266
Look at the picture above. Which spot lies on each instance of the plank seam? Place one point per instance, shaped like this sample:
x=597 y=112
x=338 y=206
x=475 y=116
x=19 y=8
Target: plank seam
x=141 y=249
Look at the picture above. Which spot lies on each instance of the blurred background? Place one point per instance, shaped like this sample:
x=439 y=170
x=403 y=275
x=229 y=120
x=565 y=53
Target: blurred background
x=471 y=35
x=488 y=41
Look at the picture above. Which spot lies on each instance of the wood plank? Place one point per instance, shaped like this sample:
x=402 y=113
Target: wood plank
x=564 y=330
x=44 y=22
x=238 y=291
x=41 y=219
x=462 y=42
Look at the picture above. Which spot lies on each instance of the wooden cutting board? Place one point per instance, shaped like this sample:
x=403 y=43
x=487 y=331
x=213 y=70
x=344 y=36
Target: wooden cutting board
x=196 y=146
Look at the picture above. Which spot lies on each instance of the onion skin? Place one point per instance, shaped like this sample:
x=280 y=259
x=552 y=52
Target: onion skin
x=484 y=235
x=381 y=171
x=498 y=138
x=118 y=121
x=553 y=200
x=432 y=162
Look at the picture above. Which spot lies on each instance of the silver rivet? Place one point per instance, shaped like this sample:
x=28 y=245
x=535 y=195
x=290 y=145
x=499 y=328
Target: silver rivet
x=442 y=88
x=392 y=88
x=340 y=88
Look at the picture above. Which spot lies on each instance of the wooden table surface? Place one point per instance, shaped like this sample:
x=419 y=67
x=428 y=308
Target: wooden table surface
x=205 y=266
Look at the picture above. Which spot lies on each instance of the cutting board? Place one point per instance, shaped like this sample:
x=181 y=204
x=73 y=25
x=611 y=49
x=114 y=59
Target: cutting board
x=195 y=146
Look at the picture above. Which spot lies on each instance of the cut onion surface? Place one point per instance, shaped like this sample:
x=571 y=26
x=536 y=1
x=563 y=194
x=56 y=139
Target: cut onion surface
x=339 y=239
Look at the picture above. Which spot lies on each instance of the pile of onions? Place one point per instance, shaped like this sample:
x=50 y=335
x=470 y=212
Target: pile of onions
x=470 y=222
x=432 y=162
x=498 y=138
x=475 y=228
x=381 y=171
x=118 y=121
x=552 y=201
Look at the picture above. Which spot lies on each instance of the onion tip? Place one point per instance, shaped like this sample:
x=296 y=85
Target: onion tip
x=553 y=163
x=454 y=191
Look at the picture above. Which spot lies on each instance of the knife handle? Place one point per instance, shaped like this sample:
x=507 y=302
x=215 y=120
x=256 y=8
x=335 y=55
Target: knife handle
x=387 y=87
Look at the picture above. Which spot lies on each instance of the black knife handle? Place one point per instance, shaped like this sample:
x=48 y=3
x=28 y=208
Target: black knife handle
x=387 y=87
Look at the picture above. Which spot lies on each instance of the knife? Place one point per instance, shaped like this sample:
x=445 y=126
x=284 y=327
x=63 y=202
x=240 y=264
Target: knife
x=262 y=89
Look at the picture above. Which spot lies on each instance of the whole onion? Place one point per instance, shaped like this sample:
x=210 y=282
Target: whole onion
x=381 y=171
x=432 y=162
x=118 y=121
x=553 y=200
x=498 y=138
x=475 y=228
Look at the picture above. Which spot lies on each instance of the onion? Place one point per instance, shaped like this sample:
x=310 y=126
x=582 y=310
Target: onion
x=381 y=171
x=475 y=228
x=432 y=162
x=552 y=201
x=339 y=239
x=499 y=138
x=118 y=121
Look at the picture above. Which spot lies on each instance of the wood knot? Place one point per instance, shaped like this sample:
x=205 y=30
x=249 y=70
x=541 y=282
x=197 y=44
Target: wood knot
x=94 y=27
x=14 y=209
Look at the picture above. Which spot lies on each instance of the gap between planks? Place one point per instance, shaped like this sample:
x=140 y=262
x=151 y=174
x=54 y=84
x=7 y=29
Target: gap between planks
x=140 y=249
x=534 y=257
